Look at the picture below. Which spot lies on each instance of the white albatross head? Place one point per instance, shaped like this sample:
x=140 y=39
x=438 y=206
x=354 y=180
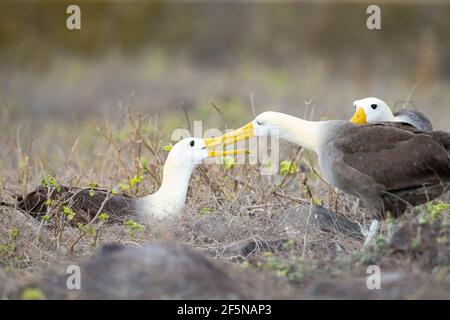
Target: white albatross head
x=187 y=152
x=296 y=130
x=181 y=161
x=371 y=110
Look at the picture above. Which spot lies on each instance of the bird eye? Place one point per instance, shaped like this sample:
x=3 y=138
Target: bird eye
x=259 y=123
x=374 y=106
x=192 y=143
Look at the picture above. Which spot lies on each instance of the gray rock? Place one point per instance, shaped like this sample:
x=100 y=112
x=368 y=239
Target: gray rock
x=156 y=271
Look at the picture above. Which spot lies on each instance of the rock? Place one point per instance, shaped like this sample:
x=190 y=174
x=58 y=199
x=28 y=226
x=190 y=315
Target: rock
x=294 y=220
x=156 y=271
x=425 y=244
x=393 y=286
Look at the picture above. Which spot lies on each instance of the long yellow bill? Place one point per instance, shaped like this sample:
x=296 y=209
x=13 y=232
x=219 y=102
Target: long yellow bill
x=214 y=153
x=359 y=117
x=246 y=132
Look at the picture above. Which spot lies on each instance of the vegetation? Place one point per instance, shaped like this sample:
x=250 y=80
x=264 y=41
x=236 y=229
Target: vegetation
x=97 y=109
x=245 y=204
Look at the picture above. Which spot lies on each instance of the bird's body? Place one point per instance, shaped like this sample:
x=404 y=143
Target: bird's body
x=87 y=203
x=389 y=165
x=373 y=110
x=84 y=202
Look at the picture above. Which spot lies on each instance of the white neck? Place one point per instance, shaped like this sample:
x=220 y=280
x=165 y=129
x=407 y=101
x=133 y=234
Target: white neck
x=170 y=198
x=390 y=117
x=302 y=132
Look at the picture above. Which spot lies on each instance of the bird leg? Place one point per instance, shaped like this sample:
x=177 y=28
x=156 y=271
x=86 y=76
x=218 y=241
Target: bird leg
x=373 y=231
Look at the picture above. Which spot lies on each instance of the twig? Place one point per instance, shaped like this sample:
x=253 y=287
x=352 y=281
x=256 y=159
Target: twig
x=306 y=232
x=282 y=183
x=252 y=105
x=411 y=92
x=72 y=150
x=244 y=183
x=183 y=106
x=220 y=113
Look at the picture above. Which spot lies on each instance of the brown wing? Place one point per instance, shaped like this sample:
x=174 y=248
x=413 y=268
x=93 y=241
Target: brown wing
x=85 y=203
x=396 y=155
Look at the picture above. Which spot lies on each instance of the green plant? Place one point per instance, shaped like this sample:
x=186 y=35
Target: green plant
x=92 y=186
x=415 y=243
x=289 y=245
x=436 y=209
x=433 y=212
x=204 y=211
x=32 y=294
x=68 y=212
x=133 y=227
x=49 y=182
x=130 y=183
x=293 y=268
x=135 y=180
x=8 y=249
x=103 y=217
x=227 y=162
x=287 y=167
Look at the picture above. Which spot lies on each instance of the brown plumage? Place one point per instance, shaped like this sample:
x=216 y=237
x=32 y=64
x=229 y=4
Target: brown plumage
x=402 y=165
x=85 y=203
x=389 y=166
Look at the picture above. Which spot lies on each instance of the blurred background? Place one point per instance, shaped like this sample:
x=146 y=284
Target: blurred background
x=212 y=60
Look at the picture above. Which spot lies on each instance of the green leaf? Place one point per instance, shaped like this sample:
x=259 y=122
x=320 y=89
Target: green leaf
x=13 y=233
x=287 y=167
x=124 y=186
x=167 y=148
x=205 y=211
x=134 y=227
x=92 y=185
x=143 y=162
x=68 y=212
x=228 y=162
x=32 y=294
x=50 y=182
x=92 y=231
x=136 y=179
x=436 y=209
x=103 y=216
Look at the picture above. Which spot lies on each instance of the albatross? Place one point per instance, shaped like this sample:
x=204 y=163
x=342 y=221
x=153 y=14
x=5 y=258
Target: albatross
x=373 y=110
x=389 y=166
x=166 y=202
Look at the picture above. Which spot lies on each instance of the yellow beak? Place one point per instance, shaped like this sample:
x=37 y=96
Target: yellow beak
x=359 y=117
x=214 y=153
x=246 y=132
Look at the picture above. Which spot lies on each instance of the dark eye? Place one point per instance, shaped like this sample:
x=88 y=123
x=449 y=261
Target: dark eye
x=259 y=123
x=192 y=143
x=373 y=106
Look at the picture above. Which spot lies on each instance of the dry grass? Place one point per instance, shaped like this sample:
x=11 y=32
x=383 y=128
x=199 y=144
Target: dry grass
x=225 y=207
